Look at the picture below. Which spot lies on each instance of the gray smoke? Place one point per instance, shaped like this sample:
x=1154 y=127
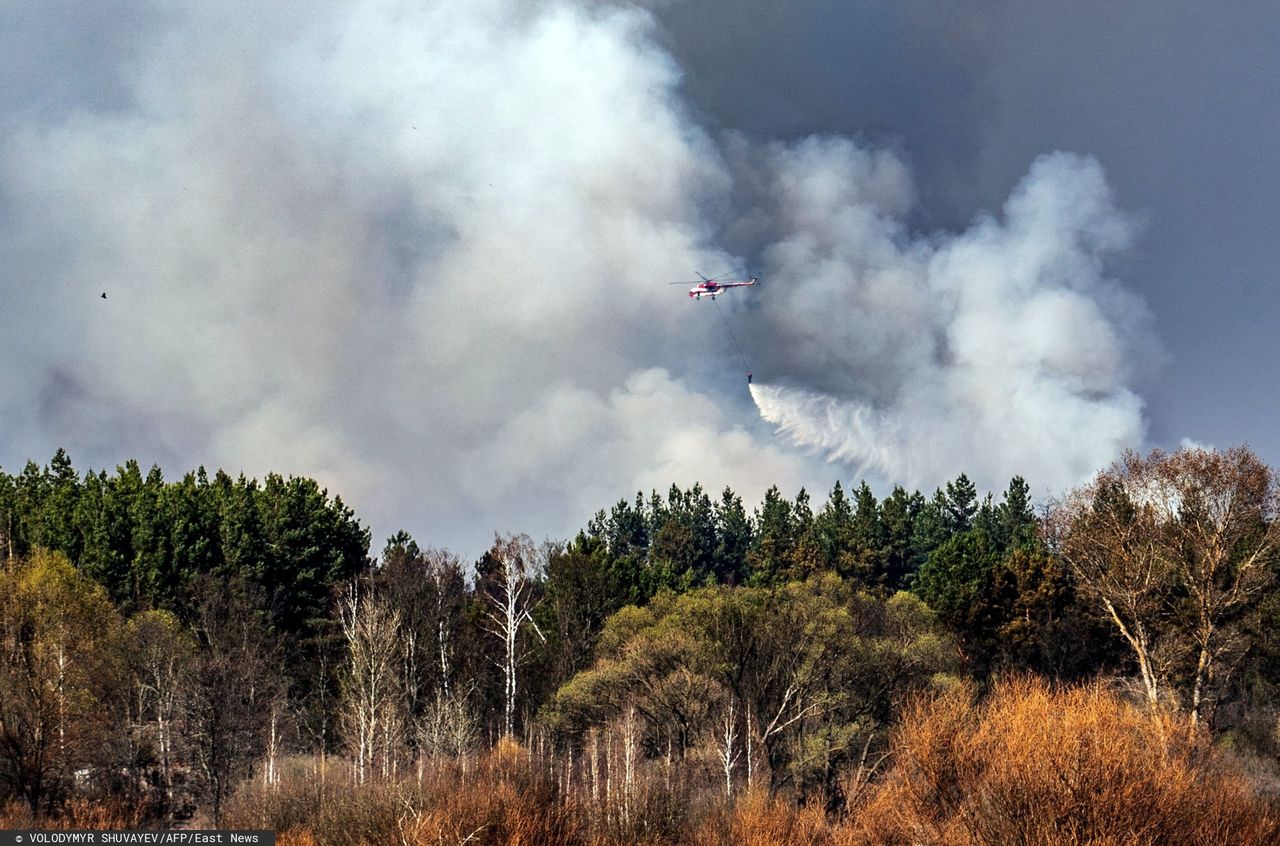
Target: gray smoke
x=418 y=250
x=415 y=249
x=999 y=350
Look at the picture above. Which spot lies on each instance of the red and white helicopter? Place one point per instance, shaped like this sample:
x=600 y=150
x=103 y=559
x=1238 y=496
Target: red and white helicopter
x=714 y=286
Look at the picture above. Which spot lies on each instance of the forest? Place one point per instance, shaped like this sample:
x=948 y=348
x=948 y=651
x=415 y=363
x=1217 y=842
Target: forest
x=956 y=668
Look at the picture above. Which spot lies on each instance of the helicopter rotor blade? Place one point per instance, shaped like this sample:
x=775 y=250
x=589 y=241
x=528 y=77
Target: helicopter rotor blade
x=705 y=279
x=719 y=276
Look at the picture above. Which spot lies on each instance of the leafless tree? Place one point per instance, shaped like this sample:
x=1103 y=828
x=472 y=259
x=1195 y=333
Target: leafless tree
x=224 y=707
x=448 y=727
x=161 y=657
x=1219 y=511
x=444 y=569
x=1108 y=539
x=1176 y=549
x=630 y=760
x=428 y=590
x=507 y=594
x=373 y=712
x=727 y=744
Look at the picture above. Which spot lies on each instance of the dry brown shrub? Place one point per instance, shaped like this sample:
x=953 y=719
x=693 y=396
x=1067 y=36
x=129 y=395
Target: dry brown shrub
x=509 y=751
x=759 y=819
x=501 y=801
x=1075 y=766
x=295 y=837
x=333 y=812
x=102 y=814
x=13 y=815
x=292 y=805
x=498 y=799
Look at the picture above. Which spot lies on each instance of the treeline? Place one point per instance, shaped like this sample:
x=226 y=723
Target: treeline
x=163 y=642
x=151 y=543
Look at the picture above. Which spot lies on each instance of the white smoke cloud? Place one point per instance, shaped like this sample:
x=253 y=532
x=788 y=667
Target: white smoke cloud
x=1003 y=349
x=414 y=249
x=417 y=249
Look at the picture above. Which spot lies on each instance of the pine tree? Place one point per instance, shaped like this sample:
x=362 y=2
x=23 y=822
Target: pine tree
x=897 y=519
x=930 y=529
x=807 y=554
x=961 y=503
x=103 y=528
x=733 y=539
x=58 y=517
x=771 y=549
x=1016 y=521
x=869 y=538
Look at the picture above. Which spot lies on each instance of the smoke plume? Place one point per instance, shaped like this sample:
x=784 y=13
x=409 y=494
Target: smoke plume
x=419 y=251
x=1002 y=349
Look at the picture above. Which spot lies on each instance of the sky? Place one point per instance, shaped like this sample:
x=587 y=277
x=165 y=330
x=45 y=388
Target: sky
x=422 y=250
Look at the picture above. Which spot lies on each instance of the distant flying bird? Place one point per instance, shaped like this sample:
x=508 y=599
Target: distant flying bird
x=104 y=295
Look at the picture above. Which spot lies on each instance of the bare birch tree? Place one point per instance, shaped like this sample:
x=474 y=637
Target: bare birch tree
x=161 y=656
x=448 y=727
x=1106 y=532
x=373 y=713
x=280 y=730
x=1176 y=550
x=444 y=571
x=1218 y=513
x=507 y=594
x=727 y=744
x=629 y=729
x=428 y=589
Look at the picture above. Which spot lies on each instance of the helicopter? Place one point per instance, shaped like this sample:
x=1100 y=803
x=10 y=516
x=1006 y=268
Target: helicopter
x=711 y=287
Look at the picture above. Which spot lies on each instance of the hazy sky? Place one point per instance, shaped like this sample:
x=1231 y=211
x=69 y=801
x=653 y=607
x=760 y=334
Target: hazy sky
x=419 y=250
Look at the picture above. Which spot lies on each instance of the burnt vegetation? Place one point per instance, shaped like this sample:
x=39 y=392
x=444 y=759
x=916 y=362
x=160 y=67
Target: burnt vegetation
x=952 y=669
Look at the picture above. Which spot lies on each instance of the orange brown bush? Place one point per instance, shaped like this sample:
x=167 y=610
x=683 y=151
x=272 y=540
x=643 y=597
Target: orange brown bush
x=76 y=814
x=497 y=799
x=759 y=819
x=1032 y=764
